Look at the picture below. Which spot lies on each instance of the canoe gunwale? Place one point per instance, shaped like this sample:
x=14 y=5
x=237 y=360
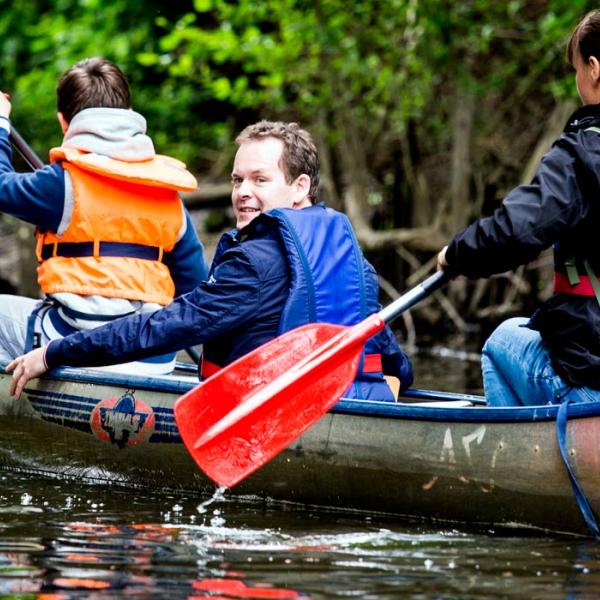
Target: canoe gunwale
x=372 y=408
x=166 y=383
x=478 y=414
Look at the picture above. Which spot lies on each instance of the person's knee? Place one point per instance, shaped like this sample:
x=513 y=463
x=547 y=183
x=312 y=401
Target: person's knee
x=504 y=336
x=509 y=327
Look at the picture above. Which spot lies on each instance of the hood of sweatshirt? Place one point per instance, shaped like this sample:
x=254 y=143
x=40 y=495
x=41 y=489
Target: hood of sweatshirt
x=115 y=132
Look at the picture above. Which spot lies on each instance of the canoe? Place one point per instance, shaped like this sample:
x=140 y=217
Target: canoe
x=437 y=456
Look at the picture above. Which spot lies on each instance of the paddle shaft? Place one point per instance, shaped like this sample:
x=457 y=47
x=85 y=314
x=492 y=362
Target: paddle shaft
x=414 y=295
x=24 y=149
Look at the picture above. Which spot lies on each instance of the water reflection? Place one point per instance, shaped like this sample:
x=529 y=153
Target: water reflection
x=443 y=368
x=97 y=542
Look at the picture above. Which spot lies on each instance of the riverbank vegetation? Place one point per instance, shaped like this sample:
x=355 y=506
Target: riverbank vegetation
x=426 y=112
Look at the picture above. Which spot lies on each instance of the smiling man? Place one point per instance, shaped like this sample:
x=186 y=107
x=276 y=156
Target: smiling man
x=260 y=183
x=288 y=262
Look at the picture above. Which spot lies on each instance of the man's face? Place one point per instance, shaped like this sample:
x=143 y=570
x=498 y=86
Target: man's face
x=259 y=183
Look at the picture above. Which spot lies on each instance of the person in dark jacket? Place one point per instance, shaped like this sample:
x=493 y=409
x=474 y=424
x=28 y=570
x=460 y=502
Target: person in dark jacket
x=287 y=262
x=555 y=356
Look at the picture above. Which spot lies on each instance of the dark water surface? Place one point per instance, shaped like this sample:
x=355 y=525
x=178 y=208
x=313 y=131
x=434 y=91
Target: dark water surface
x=64 y=540
x=68 y=540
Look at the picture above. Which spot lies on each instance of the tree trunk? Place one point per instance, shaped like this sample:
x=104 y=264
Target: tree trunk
x=460 y=176
x=421 y=207
x=355 y=172
x=554 y=127
x=459 y=200
x=328 y=186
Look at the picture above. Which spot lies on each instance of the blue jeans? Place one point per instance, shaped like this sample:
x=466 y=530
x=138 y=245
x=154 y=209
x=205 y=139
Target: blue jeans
x=517 y=370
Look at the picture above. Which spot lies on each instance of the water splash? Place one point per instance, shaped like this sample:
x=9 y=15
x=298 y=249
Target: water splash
x=216 y=497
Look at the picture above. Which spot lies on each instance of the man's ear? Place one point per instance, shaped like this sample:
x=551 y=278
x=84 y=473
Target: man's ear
x=64 y=124
x=302 y=189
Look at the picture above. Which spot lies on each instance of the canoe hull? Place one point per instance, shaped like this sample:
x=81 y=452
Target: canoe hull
x=476 y=466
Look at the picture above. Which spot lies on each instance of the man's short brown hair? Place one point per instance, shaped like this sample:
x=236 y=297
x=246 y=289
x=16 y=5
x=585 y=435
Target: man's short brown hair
x=299 y=155
x=92 y=83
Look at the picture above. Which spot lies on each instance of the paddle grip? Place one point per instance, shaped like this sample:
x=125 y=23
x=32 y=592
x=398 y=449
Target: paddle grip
x=414 y=295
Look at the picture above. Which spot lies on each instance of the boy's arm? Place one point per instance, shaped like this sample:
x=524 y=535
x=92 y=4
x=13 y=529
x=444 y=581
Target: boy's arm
x=37 y=197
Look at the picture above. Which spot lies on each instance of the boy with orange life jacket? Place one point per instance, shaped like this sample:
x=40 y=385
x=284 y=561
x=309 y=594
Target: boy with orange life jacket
x=113 y=236
x=288 y=262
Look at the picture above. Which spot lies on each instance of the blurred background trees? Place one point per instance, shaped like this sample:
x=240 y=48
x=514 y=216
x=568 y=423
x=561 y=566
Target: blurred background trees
x=426 y=112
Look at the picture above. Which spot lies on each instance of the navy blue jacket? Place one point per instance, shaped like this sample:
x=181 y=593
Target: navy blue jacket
x=238 y=308
x=561 y=207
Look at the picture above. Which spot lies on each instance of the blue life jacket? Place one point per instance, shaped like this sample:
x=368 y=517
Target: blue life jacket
x=331 y=282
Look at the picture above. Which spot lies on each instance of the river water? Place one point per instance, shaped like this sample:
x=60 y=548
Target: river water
x=63 y=539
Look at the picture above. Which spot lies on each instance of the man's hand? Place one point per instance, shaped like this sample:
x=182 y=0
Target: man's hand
x=441 y=259
x=26 y=367
x=5 y=105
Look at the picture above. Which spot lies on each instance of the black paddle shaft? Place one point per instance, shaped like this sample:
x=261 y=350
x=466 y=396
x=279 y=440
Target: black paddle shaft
x=414 y=295
x=24 y=149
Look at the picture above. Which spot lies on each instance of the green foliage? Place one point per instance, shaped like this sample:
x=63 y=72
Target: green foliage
x=377 y=66
x=202 y=69
x=39 y=41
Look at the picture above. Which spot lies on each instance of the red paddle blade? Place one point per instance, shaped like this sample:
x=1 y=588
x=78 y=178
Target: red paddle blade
x=245 y=414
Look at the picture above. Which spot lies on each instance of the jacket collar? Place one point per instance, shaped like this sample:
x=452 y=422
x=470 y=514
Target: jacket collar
x=584 y=117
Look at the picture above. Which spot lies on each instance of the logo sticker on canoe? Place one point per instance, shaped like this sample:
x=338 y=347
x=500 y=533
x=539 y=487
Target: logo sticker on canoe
x=123 y=421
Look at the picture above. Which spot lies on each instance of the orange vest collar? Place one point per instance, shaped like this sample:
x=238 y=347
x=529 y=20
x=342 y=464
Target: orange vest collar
x=160 y=171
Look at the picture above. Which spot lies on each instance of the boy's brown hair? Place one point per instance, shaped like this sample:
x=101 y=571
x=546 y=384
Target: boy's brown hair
x=92 y=83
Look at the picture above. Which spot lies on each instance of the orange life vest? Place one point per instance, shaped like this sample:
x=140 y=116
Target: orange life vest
x=125 y=216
